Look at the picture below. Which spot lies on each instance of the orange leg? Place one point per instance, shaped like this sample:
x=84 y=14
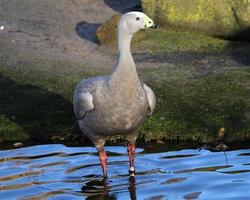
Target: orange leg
x=131 y=155
x=103 y=159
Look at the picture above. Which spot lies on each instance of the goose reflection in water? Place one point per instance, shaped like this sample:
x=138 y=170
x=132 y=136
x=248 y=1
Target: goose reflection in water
x=99 y=189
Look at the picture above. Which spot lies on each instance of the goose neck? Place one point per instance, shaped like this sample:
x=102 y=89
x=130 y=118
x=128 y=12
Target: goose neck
x=124 y=74
x=124 y=41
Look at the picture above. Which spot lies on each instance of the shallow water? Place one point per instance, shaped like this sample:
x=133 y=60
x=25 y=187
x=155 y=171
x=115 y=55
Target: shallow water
x=59 y=172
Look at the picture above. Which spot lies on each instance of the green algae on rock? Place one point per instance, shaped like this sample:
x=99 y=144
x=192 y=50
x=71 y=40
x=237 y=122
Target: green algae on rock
x=195 y=109
x=221 y=18
x=189 y=107
x=37 y=104
x=11 y=131
x=171 y=40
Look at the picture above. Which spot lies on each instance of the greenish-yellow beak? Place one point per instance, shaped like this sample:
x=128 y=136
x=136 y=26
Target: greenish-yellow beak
x=149 y=23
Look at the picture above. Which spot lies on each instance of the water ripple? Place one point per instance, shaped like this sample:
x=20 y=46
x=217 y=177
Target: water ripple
x=60 y=172
x=20 y=175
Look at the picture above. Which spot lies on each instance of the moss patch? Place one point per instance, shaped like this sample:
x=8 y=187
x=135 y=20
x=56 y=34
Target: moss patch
x=162 y=40
x=10 y=131
x=194 y=109
x=37 y=104
x=221 y=18
x=37 y=98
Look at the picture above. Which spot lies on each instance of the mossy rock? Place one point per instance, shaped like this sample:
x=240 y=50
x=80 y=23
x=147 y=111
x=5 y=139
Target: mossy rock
x=11 y=131
x=191 y=106
x=220 y=18
x=107 y=33
x=198 y=108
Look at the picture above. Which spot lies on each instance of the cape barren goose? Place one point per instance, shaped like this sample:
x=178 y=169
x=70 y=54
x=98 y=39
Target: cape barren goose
x=117 y=104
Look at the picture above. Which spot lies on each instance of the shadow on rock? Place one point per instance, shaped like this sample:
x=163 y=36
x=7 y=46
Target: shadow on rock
x=240 y=52
x=41 y=114
x=87 y=31
x=240 y=46
x=207 y=60
x=241 y=35
x=241 y=56
x=123 y=6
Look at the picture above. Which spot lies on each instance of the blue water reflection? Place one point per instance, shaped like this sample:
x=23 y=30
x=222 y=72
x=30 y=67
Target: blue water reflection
x=59 y=172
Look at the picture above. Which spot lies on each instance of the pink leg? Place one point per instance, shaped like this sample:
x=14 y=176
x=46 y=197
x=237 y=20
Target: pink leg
x=131 y=155
x=103 y=159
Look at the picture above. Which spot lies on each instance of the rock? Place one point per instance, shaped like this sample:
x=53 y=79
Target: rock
x=221 y=147
x=221 y=133
x=18 y=144
x=221 y=18
x=106 y=33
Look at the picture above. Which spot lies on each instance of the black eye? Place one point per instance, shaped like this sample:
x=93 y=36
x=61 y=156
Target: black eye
x=137 y=18
x=150 y=22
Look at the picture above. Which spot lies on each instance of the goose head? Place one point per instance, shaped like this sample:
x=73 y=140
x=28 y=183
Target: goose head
x=132 y=22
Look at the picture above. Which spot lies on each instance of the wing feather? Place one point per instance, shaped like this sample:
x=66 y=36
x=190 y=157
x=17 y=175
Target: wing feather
x=151 y=98
x=85 y=92
x=83 y=102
